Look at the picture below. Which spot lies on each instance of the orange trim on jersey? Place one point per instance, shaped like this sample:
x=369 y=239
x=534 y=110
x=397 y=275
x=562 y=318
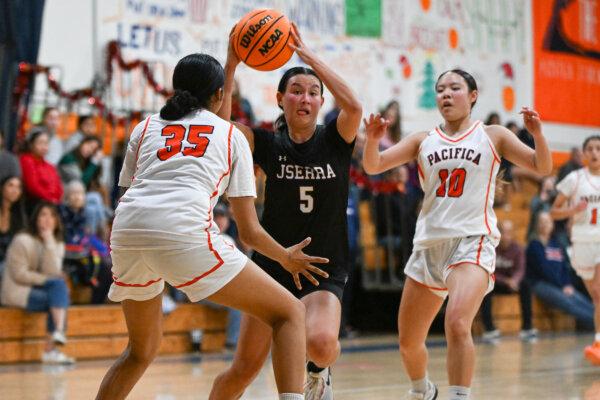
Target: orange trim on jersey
x=116 y=282
x=464 y=262
x=220 y=261
x=445 y=137
x=428 y=287
x=494 y=151
x=487 y=197
x=587 y=174
x=420 y=170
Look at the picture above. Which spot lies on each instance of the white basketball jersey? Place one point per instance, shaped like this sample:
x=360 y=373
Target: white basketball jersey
x=581 y=185
x=176 y=171
x=458 y=176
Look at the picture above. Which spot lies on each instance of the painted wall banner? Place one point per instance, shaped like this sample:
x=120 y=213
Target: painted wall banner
x=567 y=60
x=363 y=18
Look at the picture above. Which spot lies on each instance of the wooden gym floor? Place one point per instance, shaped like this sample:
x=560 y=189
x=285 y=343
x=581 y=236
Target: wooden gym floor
x=369 y=368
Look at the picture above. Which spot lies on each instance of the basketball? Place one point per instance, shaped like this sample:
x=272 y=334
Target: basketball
x=261 y=39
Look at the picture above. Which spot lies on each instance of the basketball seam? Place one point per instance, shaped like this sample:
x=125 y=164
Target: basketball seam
x=242 y=28
x=261 y=36
x=279 y=52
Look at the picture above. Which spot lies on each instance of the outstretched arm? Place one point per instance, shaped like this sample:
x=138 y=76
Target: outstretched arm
x=515 y=151
x=348 y=120
x=375 y=162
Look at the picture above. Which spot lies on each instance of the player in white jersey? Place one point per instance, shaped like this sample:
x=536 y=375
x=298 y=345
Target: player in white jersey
x=456 y=235
x=177 y=165
x=579 y=198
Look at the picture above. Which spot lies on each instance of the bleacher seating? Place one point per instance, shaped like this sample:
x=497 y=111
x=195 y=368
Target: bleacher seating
x=100 y=331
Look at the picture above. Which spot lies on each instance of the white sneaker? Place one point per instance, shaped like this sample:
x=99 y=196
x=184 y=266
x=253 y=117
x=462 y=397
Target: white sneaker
x=56 y=357
x=318 y=386
x=491 y=336
x=59 y=337
x=430 y=394
x=529 y=335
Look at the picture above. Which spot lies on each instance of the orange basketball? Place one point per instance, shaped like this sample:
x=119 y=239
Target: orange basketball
x=261 y=39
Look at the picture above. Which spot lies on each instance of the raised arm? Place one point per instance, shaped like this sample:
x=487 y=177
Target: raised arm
x=225 y=110
x=348 y=120
x=376 y=162
x=511 y=148
x=252 y=234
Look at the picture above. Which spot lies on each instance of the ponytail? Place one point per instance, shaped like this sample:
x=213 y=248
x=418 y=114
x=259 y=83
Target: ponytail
x=179 y=105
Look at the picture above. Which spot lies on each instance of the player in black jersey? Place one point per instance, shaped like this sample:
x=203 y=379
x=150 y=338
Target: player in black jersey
x=307 y=168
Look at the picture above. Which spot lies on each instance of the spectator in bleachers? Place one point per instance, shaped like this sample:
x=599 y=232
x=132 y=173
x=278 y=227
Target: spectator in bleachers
x=9 y=163
x=12 y=213
x=40 y=178
x=574 y=163
x=241 y=109
x=50 y=123
x=33 y=278
x=83 y=164
x=549 y=274
x=541 y=202
x=87 y=259
x=391 y=112
x=510 y=274
x=493 y=118
x=86 y=126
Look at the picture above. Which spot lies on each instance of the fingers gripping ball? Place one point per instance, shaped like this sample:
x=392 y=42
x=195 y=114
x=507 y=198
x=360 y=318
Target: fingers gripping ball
x=261 y=39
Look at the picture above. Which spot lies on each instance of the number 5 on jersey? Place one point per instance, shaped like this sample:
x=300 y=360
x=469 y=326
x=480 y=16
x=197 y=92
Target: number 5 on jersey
x=175 y=134
x=307 y=202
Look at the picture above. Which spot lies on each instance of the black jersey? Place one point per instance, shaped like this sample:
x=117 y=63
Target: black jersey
x=306 y=193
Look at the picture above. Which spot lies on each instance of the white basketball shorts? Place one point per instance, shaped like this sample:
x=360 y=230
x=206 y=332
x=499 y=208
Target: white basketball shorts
x=584 y=258
x=431 y=266
x=199 y=270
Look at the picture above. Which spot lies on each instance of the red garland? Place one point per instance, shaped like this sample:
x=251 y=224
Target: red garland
x=364 y=182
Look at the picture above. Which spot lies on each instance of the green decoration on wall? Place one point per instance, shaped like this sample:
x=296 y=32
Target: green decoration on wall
x=363 y=18
x=427 y=99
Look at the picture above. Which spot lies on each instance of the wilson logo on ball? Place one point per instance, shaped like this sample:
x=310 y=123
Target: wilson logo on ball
x=247 y=37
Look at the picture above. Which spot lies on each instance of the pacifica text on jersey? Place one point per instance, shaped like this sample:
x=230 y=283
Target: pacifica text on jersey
x=457 y=153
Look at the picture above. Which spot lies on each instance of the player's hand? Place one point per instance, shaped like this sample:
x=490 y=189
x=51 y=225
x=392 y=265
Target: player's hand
x=297 y=263
x=300 y=47
x=579 y=207
x=513 y=284
x=531 y=120
x=232 y=57
x=376 y=126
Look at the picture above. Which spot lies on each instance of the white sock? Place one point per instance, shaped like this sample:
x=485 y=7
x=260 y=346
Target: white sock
x=458 y=393
x=291 y=396
x=420 y=385
x=597 y=337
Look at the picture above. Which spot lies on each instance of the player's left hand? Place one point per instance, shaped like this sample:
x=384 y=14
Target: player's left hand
x=297 y=263
x=300 y=47
x=531 y=120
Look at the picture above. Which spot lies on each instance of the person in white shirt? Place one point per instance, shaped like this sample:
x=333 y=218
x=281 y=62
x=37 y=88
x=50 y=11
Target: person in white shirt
x=177 y=165
x=456 y=234
x=579 y=199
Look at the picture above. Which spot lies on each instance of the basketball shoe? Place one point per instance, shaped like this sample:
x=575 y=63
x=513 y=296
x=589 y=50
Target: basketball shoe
x=318 y=386
x=430 y=394
x=592 y=353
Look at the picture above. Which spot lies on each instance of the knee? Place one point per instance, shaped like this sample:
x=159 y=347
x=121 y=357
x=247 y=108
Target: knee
x=458 y=328
x=293 y=312
x=322 y=347
x=144 y=353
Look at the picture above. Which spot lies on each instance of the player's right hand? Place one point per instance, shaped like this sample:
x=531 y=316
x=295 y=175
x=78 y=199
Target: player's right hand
x=232 y=57
x=297 y=263
x=581 y=206
x=375 y=126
